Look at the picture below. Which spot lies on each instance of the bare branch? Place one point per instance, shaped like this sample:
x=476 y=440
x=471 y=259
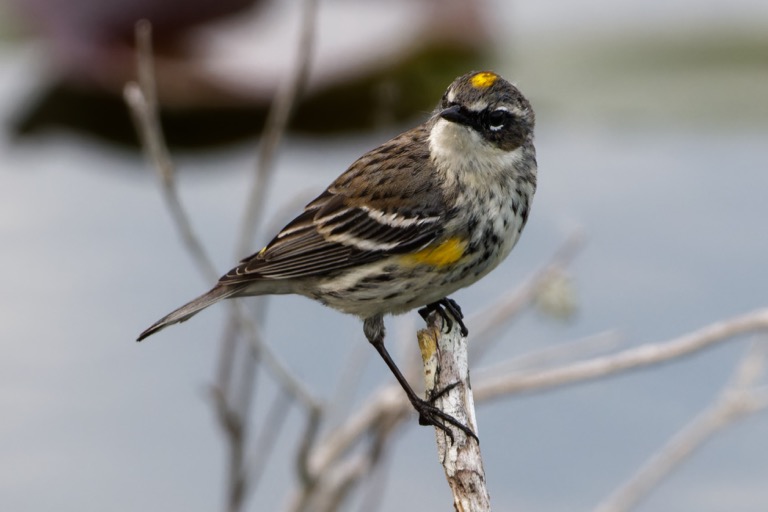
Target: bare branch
x=274 y=130
x=331 y=456
x=142 y=102
x=341 y=478
x=388 y=402
x=144 y=108
x=489 y=321
x=737 y=400
x=376 y=484
x=227 y=353
x=271 y=428
x=305 y=471
x=277 y=121
x=349 y=380
x=446 y=364
x=547 y=357
x=276 y=367
x=488 y=387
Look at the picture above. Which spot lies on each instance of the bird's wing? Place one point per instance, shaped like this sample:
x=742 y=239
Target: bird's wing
x=381 y=206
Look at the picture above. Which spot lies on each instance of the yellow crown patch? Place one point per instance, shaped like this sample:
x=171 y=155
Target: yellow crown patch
x=484 y=80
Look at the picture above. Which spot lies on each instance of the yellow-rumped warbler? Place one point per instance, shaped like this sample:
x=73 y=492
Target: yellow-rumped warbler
x=427 y=213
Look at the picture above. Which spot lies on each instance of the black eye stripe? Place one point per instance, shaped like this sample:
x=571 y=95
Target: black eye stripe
x=488 y=121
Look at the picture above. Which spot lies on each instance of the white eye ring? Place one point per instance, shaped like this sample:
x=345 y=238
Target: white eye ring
x=497 y=127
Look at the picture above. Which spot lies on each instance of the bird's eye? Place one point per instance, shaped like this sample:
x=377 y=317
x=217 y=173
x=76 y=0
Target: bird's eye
x=497 y=119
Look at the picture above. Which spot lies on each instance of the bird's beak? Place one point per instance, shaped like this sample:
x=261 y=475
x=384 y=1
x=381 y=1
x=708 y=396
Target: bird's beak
x=456 y=114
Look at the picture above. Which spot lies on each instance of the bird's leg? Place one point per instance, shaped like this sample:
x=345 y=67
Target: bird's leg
x=443 y=307
x=429 y=414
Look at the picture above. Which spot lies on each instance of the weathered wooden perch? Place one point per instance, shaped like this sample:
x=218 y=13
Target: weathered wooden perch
x=446 y=363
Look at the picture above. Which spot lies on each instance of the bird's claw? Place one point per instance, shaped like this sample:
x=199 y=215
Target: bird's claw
x=429 y=414
x=442 y=307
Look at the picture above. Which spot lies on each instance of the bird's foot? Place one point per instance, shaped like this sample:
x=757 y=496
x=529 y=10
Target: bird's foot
x=429 y=414
x=442 y=307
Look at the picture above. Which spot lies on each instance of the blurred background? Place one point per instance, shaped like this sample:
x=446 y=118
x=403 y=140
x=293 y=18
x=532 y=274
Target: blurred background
x=652 y=130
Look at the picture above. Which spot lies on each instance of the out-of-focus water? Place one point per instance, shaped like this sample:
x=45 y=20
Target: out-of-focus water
x=676 y=239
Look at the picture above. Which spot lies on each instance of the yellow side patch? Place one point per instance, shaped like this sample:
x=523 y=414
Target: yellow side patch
x=443 y=254
x=484 y=80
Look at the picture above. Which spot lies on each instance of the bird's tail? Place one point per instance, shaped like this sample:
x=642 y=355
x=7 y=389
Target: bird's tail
x=190 y=309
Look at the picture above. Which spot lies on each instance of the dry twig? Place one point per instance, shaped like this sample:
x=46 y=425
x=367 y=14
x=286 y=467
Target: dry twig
x=277 y=121
x=446 y=366
x=232 y=410
x=142 y=101
x=739 y=399
x=491 y=385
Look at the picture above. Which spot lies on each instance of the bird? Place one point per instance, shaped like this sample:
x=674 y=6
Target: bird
x=429 y=212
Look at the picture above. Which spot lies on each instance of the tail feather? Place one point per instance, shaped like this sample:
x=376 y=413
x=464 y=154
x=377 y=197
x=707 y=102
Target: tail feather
x=190 y=309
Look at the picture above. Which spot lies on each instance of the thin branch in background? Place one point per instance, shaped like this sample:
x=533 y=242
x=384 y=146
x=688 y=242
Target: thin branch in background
x=307 y=477
x=373 y=496
x=142 y=100
x=227 y=354
x=143 y=108
x=561 y=353
x=340 y=479
x=490 y=386
x=489 y=321
x=143 y=105
x=242 y=398
x=258 y=352
x=276 y=367
x=277 y=121
x=387 y=403
x=238 y=402
x=738 y=400
x=267 y=439
x=231 y=424
x=348 y=384
x=367 y=462
x=308 y=440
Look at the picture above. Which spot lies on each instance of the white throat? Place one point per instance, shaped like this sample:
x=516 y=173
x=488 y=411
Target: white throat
x=455 y=149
